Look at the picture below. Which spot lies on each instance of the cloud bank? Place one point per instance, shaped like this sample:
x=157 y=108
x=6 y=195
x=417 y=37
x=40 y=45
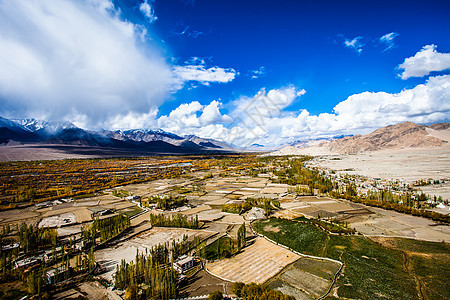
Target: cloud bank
x=262 y=118
x=75 y=60
x=79 y=61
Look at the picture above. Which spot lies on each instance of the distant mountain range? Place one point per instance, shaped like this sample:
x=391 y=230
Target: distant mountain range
x=32 y=131
x=65 y=133
x=392 y=137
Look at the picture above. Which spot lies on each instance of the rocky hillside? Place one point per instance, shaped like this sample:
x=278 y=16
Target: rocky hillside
x=403 y=135
x=399 y=136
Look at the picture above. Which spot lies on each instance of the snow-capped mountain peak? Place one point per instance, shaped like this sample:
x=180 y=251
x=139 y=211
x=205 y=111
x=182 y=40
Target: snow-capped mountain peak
x=34 y=125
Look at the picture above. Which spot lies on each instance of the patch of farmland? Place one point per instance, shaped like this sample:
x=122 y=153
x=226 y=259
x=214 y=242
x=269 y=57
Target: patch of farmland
x=307 y=278
x=285 y=288
x=210 y=215
x=256 y=263
x=82 y=214
x=305 y=281
x=232 y=219
x=87 y=203
x=286 y=214
x=196 y=210
x=11 y=216
x=334 y=206
x=58 y=220
x=273 y=190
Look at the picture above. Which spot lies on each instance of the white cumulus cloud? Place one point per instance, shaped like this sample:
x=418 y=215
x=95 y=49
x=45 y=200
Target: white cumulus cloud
x=192 y=118
x=424 y=62
x=203 y=75
x=147 y=10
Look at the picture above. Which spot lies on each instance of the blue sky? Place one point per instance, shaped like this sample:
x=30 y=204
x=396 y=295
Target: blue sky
x=301 y=43
x=265 y=72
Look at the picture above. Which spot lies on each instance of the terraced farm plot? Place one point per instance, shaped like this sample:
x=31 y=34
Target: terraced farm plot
x=256 y=263
x=82 y=214
x=196 y=210
x=58 y=220
x=17 y=216
x=232 y=219
x=307 y=278
x=286 y=214
x=273 y=190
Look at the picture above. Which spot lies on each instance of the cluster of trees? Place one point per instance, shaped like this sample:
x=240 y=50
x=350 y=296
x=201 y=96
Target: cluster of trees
x=295 y=173
x=120 y=193
x=111 y=227
x=32 y=237
x=329 y=225
x=5 y=230
x=37 y=181
x=241 y=236
x=168 y=202
x=36 y=281
x=199 y=246
x=163 y=253
x=404 y=209
x=221 y=248
x=104 y=228
x=178 y=220
x=6 y=260
x=179 y=248
x=301 y=190
x=430 y=181
x=84 y=261
x=236 y=208
x=146 y=278
x=25 y=194
x=224 y=246
x=269 y=205
x=257 y=291
x=407 y=203
x=216 y=295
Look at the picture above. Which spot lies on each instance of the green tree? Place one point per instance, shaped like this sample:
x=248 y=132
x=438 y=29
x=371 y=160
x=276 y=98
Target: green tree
x=217 y=295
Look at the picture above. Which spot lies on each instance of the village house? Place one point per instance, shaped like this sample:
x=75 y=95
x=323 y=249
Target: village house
x=184 y=263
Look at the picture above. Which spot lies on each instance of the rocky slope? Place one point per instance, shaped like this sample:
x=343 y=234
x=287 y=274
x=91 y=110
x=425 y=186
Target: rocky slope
x=399 y=136
x=403 y=135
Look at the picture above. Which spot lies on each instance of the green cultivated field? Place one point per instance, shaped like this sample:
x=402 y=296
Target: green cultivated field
x=428 y=261
x=371 y=270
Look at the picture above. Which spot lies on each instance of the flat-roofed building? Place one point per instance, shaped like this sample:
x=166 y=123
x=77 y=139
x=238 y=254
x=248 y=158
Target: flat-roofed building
x=184 y=263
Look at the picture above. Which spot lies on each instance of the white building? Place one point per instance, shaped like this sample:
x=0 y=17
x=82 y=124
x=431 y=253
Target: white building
x=184 y=263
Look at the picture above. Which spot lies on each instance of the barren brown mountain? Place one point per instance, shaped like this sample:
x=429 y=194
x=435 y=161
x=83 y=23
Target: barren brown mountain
x=403 y=135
